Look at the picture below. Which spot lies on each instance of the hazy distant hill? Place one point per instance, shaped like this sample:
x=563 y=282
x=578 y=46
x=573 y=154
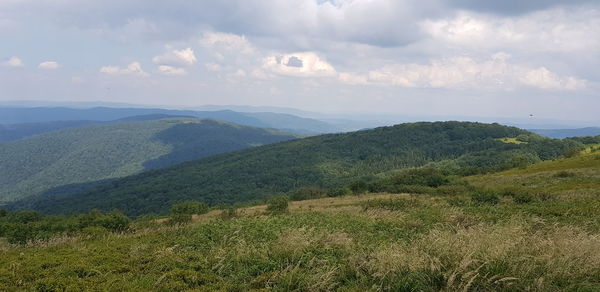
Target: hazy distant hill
x=320 y=161
x=12 y=132
x=565 y=133
x=264 y=120
x=97 y=152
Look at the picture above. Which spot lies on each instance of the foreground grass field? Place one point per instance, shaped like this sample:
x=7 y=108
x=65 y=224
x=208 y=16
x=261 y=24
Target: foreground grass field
x=542 y=235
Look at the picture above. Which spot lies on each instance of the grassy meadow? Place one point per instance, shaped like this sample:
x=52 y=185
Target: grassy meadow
x=533 y=229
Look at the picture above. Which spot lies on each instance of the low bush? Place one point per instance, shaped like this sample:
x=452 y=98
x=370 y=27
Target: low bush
x=278 y=204
x=178 y=219
x=564 y=174
x=485 y=197
x=396 y=204
x=189 y=207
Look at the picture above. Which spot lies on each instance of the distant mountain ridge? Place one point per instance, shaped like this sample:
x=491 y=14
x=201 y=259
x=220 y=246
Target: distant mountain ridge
x=331 y=160
x=566 y=133
x=12 y=132
x=16 y=115
x=103 y=151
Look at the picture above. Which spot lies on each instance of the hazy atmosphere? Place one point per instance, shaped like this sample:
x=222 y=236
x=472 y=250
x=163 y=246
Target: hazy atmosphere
x=453 y=58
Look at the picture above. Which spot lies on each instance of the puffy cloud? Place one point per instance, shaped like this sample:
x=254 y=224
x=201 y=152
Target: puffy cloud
x=307 y=64
x=48 y=65
x=226 y=42
x=13 y=62
x=185 y=57
x=544 y=79
x=556 y=30
x=134 y=69
x=462 y=72
x=170 y=70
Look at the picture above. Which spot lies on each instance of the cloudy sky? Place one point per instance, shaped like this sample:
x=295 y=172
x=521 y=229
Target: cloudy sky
x=506 y=58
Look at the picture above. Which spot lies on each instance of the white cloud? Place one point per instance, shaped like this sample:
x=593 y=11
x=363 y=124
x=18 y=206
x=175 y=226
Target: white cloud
x=48 y=65
x=462 y=72
x=185 y=57
x=13 y=62
x=555 y=30
x=544 y=79
x=134 y=69
x=226 y=42
x=170 y=70
x=307 y=64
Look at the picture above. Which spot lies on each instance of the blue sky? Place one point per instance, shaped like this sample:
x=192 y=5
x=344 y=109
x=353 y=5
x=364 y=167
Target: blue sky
x=428 y=57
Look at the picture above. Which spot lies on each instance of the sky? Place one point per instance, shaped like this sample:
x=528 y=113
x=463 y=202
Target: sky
x=419 y=57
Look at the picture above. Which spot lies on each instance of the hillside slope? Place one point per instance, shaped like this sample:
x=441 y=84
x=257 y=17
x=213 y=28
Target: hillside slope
x=370 y=242
x=321 y=161
x=92 y=153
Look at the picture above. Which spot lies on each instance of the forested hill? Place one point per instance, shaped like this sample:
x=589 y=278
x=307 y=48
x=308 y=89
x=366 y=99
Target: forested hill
x=86 y=154
x=320 y=161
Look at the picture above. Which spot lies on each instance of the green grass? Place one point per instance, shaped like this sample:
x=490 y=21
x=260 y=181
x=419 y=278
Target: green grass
x=370 y=242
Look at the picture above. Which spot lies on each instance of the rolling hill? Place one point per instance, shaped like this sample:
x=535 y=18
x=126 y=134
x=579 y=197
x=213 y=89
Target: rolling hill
x=322 y=161
x=287 y=122
x=12 y=132
x=85 y=154
x=540 y=234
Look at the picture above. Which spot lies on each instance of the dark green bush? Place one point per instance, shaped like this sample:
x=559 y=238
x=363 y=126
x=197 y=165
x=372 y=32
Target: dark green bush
x=189 y=207
x=3 y=213
x=359 y=186
x=523 y=198
x=565 y=174
x=278 y=204
x=308 y=193
x=485 y=197
x=338 y=192
x=113 y=221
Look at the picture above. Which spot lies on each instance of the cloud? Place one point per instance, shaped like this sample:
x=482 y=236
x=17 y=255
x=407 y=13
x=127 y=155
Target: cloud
x=185 y=57
x=170 y=70
x=556 y=30
x=13 y=62
x=213 y=67
x=226 y=42
x=513 y=6
x=462 y=72
x=306 y=64
x=48 y=65
x=544 y=79
x=133 y=69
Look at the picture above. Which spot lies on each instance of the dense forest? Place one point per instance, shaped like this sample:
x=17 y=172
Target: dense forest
x=87 y=154
x=326 y=161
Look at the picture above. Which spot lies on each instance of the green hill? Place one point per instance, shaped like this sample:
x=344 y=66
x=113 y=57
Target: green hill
x=322 y=161
x=540 y=234
x=85 y=154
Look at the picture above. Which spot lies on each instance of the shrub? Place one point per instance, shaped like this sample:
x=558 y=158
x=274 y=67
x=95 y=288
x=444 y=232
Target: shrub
x=189 y=207
x=359 y=186
x=523 y=198
x=3 y=213
x=485 y=197
x=565 y=174
x=113 y=221
x=308 y=193
x=338 y=192
x=278 y=204
x=428 y=177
